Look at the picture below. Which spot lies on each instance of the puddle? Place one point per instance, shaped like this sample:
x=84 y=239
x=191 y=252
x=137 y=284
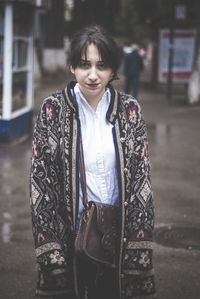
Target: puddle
x=162 y=133
x=178 y=237
x=6 y=228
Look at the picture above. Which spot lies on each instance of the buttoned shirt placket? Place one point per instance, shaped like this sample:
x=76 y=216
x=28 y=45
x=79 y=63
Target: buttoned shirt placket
x=99 y=151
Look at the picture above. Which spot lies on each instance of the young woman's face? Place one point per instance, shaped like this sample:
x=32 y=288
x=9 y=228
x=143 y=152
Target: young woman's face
x=92 y=75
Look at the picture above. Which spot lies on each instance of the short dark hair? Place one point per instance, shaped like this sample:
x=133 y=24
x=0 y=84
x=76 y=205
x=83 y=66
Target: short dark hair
x=99 y=36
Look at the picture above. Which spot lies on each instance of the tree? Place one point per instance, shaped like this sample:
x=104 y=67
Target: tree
x=55 y=25
x=102 y=12
x=133 y=20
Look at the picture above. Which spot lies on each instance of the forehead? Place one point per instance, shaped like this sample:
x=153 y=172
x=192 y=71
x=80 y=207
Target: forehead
x=91 y=52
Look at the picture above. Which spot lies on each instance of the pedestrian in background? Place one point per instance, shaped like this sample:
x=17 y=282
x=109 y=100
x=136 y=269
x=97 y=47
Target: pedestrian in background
x=133 y=65
x=117 y=172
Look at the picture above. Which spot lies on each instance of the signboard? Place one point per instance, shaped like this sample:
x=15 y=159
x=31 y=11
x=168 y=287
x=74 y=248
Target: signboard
x=39 y=3
x=180 y=12
x=184 y=45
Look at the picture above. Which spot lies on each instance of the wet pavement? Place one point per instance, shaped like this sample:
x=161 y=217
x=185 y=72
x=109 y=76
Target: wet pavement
x=173 y=131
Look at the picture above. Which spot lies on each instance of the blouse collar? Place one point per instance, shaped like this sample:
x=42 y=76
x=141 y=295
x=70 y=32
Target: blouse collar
x=70 y=98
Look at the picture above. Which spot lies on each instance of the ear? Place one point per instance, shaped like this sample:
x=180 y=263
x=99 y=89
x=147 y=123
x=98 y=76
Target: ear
x=71 y=69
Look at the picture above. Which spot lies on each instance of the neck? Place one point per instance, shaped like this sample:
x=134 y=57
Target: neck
x=93 y=102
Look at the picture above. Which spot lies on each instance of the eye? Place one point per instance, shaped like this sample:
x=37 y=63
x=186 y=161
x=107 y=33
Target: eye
x=84 y=64
x=101 y=65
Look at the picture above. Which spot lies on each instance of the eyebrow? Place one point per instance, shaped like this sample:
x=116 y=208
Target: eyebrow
x=86 y=60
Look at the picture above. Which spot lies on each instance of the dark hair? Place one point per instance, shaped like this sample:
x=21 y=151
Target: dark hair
x=108 y=48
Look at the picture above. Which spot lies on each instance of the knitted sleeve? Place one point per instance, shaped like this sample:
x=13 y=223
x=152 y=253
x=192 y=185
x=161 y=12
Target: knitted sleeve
x=45 y=193
x=139 y=223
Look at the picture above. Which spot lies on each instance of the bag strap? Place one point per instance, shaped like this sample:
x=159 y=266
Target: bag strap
x=83 y=175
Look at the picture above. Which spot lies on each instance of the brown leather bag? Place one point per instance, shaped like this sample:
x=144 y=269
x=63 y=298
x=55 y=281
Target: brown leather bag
x=97 y=233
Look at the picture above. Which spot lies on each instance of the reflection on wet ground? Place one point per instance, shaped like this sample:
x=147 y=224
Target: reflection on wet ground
x=174 y=147
x=6 y=228
x=178 y=237
x=14 y=187
x=16 y=254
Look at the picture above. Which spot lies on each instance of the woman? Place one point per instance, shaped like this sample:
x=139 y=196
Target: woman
x=117 y=172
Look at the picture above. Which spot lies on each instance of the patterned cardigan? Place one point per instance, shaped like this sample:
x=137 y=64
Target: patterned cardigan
x=54 y=190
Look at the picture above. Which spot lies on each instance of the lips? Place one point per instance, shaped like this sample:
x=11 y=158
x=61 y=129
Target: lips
x=93 y=85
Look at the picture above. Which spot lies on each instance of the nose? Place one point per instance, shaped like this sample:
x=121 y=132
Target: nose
x=92 y=74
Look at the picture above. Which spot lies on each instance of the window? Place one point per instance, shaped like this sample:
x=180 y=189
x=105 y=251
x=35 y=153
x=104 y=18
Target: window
x=21 y=63
x=18 y=81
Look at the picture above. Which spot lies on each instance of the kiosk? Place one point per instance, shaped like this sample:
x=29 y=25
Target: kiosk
x=16 y=68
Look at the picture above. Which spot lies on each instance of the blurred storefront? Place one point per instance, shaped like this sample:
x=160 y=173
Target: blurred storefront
x=176 y=44
x=16 y=67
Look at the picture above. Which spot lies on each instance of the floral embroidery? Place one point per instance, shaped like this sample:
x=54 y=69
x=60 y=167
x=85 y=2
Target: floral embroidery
x=36 y=151
x=145 y=260
x=144 y=152
x=50 y=112
x=132 y=114
x=42 y=236
x=45 y=220
x=141 y=233
x=56 y=258
x=138 y=259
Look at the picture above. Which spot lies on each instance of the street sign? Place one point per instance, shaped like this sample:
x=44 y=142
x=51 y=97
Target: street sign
x=183 y=57
x=180 y=12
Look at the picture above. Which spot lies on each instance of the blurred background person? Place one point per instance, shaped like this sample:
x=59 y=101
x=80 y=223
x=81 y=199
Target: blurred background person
x=133 y=65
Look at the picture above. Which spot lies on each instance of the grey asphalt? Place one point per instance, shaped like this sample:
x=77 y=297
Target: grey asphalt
x=173 y=132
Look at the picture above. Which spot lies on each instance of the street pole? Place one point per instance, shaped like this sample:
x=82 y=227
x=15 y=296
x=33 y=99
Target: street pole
x=171 y=53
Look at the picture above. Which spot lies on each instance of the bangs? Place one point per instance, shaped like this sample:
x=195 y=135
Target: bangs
x=103 y=54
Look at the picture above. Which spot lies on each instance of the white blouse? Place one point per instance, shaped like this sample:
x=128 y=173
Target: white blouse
x=99 y=151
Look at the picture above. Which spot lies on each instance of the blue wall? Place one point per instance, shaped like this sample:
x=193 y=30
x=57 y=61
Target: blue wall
x=16 y=127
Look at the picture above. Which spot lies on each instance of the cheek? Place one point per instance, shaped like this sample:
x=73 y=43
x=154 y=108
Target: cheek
x=77 y=75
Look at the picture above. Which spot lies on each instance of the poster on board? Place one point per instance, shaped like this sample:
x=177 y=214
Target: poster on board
x=184 y=46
